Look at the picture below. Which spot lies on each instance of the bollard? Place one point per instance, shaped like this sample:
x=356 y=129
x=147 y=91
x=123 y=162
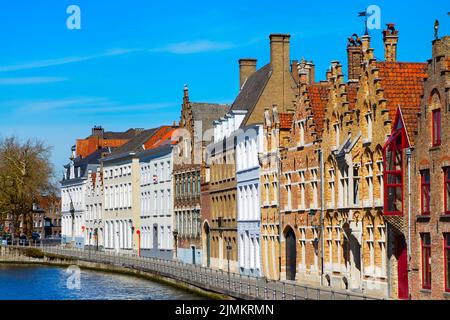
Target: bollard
x=240 y=283
x=294 y=296
x=283 y=295
x=257 y=288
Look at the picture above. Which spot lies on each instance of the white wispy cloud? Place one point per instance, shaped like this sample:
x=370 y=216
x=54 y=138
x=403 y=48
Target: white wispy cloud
x=185 y=47
x=63 y=61
x=29 y=80
x=81 y=105
x=198 y=46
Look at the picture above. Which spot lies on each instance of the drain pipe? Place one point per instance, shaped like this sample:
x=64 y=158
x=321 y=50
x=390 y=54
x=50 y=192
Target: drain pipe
x=322 y=196
x=408 y=157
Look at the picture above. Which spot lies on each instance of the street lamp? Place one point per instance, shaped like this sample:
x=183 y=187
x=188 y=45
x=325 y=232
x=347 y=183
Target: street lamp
x=175 y=238
x=117 y=241
x=96 y=238
x=72 y=215
x=132 y=235
x=139 y=242
x=228 y=258
x=90 y=237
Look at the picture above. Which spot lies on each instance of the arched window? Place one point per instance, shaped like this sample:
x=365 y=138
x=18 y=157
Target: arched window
x=435 y=106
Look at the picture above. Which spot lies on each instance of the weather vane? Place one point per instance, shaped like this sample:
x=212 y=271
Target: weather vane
x=364 y=14
x=436 y=28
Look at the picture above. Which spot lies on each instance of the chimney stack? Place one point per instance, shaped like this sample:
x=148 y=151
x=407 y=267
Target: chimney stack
x=390 y=39
x=97 y=131
x=306 y=73
x=73 y=153
x=295 y=70
x=354 y=57
x=279 y=52
x=247 y=67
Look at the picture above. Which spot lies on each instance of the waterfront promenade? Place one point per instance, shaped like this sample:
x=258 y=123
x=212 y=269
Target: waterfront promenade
x=231 y=284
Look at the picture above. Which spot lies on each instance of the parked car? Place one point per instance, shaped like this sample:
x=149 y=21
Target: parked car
x=35 y=236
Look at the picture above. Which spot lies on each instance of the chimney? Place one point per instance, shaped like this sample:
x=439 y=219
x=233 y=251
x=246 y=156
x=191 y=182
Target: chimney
x=294 y=70
x=279 y=52
x=311 y=72
x=73 y=153
x=390 y=39
x=354 y=57
x=247 y=67
x=97 y=131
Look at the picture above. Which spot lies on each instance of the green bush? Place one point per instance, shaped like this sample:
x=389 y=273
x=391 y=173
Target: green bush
x=34 y=253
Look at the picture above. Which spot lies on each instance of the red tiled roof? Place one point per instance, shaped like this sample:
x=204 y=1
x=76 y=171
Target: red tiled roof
x=402 y=83
x=286 y=120
x=318 y=95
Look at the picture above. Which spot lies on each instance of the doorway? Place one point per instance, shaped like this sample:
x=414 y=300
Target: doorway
x=207 y=245
x=193 y=254
x=291 y=255
x=155 y=236
x=402 y=267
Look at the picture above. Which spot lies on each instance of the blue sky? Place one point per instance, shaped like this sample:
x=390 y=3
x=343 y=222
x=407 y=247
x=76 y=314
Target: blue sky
x=127 y=65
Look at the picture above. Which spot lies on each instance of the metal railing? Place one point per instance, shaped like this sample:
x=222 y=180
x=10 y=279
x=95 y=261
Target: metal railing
x=232 y=284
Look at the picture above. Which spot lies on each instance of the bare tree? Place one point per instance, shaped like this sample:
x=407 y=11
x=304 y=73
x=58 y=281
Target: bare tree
x=25 y=174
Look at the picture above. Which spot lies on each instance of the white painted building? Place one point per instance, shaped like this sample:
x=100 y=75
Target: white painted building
x=249 y=144
x=156 y=202
x=73 y=195
x=121 y=202
x=93 y=233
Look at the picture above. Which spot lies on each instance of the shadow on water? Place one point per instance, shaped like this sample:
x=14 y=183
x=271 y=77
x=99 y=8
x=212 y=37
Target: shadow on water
x=25 y=282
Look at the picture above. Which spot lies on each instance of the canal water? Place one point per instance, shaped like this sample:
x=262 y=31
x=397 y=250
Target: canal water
x=31 y=282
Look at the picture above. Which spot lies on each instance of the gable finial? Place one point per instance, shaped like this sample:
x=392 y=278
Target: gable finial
x=436 y=29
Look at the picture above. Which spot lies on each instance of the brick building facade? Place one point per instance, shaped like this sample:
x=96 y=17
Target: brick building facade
x=300 y=196
x=430 y=180
x=195 y=131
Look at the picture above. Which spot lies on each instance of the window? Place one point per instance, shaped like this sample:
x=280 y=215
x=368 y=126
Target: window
x=289 y=192
x=447 y=190
x=355 y=185
x=302 y=133
x=425 y=191
x=343 y=191
x=368 y=117
x=337 y=134
x=447 y=261
x=302 y=190
x=369 y=182
x=331 y=185
x=426 y=261
x=315 y=189
x=393 y=177
x=436 y=127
